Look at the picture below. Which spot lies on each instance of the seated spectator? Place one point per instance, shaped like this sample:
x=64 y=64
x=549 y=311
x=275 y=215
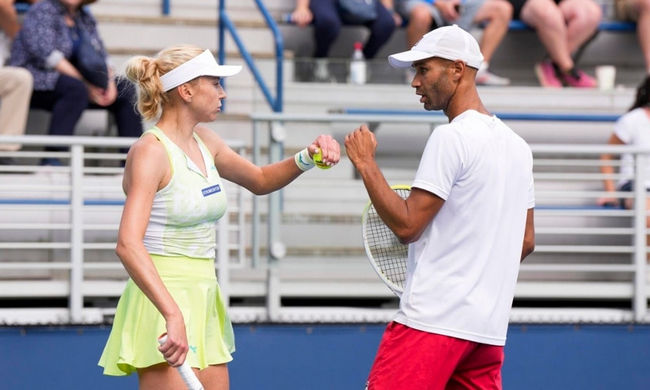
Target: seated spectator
x=327 y=22
x=495 y=15
x=15 y=83
x=46 y=46
x=562 y=26
x=632 y=128
x=637 y=11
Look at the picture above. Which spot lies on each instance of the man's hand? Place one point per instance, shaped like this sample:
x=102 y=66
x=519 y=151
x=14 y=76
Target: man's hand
x=360 y=146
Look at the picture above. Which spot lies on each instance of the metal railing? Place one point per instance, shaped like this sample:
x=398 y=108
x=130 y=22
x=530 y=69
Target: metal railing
x=583 y=252
x=550 y=203
x=55 y=208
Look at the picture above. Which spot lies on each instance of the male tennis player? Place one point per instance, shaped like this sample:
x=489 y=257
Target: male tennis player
x=469 y=223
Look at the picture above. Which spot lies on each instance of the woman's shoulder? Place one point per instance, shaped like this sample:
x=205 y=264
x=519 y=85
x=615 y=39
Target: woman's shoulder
x=148 y=147
x=43 y=7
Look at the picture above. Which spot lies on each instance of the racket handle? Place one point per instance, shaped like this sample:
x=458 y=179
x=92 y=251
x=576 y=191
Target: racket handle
x=185 y=371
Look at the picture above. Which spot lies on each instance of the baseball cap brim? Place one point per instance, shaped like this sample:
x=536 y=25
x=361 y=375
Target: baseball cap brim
x=406 y=58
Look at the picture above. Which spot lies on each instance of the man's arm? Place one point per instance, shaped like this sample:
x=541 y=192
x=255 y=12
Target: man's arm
x=407 y=218
x=529 y=236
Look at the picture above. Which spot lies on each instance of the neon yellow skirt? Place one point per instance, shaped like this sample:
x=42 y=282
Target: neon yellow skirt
x=192 y=283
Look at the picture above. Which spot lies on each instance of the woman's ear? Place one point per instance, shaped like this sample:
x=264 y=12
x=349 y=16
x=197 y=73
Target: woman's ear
x=185 y=92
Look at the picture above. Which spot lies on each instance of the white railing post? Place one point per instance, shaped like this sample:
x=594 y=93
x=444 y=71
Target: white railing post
x=276 y=247
x=640 y=238
x=255 y=233
x=76 y=300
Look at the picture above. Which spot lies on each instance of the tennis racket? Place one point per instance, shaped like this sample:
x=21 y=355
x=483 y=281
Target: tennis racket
x=190 y=379
x=386 y=254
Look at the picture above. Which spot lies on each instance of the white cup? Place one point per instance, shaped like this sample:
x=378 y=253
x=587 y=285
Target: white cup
x=606 y=76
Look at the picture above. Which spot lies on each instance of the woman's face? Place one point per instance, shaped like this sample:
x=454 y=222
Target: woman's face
x=208 y=99
x=71 y=4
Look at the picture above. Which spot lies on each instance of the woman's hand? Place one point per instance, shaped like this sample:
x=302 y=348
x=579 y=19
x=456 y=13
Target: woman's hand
x=103 y=97
x=449 y=9
x=302 y=16
x=174 y=350
x=607 y=202
x=329 y=147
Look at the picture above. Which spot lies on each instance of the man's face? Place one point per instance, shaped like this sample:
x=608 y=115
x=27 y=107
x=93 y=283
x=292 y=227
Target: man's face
x=433 y=82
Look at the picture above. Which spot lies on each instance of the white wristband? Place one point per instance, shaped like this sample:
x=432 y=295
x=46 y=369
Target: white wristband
x=303 y=160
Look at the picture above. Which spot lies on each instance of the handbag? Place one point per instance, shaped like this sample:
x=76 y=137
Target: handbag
x=90 y=61
x=357 y=11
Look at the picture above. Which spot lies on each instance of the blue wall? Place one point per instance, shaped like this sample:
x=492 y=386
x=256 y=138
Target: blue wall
x=337 y=357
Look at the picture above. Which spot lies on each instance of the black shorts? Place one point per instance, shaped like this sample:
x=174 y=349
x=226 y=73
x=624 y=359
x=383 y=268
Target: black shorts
x=517 y=5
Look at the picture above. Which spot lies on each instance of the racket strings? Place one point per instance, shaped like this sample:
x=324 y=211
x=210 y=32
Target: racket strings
x=389 y=254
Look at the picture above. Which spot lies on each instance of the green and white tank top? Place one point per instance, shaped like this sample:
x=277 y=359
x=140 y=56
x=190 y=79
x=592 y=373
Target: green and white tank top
x=184 y=212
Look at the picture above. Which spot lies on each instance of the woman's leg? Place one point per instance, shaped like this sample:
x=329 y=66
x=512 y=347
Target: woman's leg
x=129 y=122
x=327 y=25
x=582 y=18
x=160 y=377
x=215 y=377
x=380 y=31
x=164 y=377
x=66 y=102
x=547 y=19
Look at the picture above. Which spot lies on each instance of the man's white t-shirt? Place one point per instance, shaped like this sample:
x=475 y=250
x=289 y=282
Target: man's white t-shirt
x=462 y=270
x=632 y=129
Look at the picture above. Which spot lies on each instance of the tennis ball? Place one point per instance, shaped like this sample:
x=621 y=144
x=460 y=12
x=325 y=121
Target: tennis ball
x=318 y=160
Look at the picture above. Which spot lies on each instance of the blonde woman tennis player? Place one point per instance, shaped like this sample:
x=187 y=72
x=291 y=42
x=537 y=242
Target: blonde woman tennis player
x=166 y=240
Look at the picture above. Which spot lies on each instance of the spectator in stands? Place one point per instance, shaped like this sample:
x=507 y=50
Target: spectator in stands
x=637 y=11
x=166 y=239
x=563 y=26
x=327 y=21
x=632 y=128
x=46 y=46
x=468 y=221
x=495 y=15
x=15 y=83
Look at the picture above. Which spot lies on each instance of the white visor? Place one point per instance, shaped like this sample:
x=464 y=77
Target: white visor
x=202 y=65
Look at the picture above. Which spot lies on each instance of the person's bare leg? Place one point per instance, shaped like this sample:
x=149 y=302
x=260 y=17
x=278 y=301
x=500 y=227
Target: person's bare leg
x=582 y=19
x=215 y=377
x=547 y=20
x=160 y=377
x=496 y=14
x=643 y=29
x=420 y=21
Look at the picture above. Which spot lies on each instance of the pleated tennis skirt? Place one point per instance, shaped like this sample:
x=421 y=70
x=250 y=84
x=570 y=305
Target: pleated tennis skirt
x=133 y=342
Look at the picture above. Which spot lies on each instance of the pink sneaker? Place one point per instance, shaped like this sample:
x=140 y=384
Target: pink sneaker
x=547 y=75
x=579 y=79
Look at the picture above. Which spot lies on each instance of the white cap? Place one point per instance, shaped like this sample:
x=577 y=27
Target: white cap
x=449 y=42
x=202 y=65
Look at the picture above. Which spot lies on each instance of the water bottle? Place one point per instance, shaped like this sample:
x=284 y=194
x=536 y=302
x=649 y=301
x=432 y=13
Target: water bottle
x=357 y=66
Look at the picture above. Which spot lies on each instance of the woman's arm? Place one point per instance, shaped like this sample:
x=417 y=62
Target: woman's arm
x=40 y=34
x=262 y=180
x=607 y=169
x=147 y=170
x=8 y=18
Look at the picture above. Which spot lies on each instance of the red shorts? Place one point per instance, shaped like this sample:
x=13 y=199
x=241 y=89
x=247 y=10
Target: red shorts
x=410 y=359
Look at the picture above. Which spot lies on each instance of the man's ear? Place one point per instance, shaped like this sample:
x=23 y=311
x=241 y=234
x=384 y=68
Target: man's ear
x=459 y=68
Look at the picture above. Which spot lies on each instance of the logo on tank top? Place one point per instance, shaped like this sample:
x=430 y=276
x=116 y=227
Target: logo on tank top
x=207 y=191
